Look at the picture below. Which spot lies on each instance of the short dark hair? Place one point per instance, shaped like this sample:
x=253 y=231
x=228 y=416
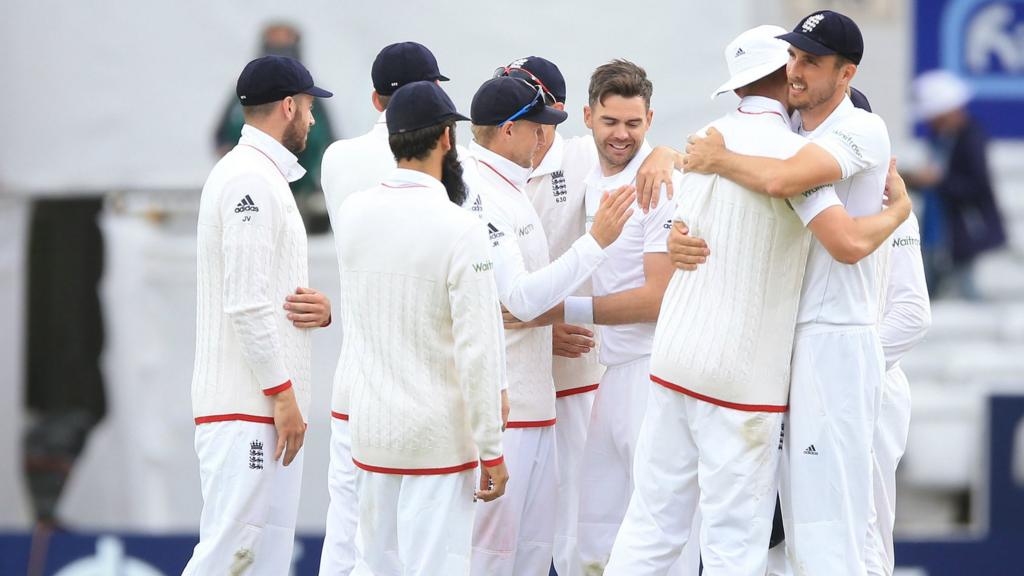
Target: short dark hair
x=259 y=111
x=843 y=61
x=620 y=78
x=417 y=144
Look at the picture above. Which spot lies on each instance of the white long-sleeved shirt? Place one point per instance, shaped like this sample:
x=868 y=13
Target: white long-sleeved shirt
x=725 y=331
x=422 y=348
x=557 y=191
x=906 y=308
x=624 y=270
x=528 y=283
x=252 y=254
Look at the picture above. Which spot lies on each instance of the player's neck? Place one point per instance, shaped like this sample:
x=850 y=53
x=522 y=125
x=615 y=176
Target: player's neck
x=811 y=118
x=430 y=165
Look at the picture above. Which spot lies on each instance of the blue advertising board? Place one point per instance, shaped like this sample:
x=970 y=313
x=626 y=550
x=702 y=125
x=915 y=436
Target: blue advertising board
x=982 y=41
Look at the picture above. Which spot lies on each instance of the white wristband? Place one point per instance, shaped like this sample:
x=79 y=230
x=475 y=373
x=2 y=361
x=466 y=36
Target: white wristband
x=579 y=310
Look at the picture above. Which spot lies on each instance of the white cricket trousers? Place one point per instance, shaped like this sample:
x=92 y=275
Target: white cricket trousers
x=250 y=501
x=606 y=470
x=573 y=413
x=415 y=525
x=340 y=551
x=693 y=453
x=890 y=442
x=513 y=535
x=826 y=475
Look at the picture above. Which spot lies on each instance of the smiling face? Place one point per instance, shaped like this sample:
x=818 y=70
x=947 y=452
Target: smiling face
x=619 y=125
x=815 y=81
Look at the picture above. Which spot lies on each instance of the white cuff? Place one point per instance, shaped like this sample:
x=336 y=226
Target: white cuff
x=579 y=310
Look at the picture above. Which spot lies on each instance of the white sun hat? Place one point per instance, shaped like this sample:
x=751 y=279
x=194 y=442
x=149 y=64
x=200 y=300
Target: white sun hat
x=753 y=55
x=937 y=92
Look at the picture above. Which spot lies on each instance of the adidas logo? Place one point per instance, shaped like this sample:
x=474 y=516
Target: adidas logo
x=810 y=451
x=493 y=232
x=246 y=205
x=478 y=205
x=739 y=52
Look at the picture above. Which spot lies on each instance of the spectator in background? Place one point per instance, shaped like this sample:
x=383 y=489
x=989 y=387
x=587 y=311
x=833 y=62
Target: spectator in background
x=961 y=217
x=282 y=39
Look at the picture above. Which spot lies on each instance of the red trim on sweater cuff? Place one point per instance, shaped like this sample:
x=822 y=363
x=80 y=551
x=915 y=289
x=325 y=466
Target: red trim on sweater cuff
x=277 y=389
x=533 y=424
x=339 y=415
x=230 y=417
x=574 y=391
x=417 y=471
x=493 y=463
x=717 y=402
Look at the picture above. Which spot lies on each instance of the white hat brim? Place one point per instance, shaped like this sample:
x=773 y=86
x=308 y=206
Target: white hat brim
x=751 y=75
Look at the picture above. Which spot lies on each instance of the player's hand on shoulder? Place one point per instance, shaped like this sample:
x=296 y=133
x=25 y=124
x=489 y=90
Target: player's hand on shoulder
x=612 y=215
x=656 y=170
x=308 y=308
x=686 y=252
x=703 y=152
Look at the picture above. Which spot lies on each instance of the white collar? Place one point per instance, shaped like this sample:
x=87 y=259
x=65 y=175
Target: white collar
x=844 y=108
x=597 y=179
x=405 y=178
x=552 y=161
x=762 y=105
x=285 y=161
x=515 y=174
x=380 y=127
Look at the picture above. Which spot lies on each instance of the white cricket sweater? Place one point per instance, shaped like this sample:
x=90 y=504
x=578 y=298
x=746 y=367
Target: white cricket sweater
x=557 y=191
x=422 y=349
x=725 y=332
x=251 y=255
x=528 y=283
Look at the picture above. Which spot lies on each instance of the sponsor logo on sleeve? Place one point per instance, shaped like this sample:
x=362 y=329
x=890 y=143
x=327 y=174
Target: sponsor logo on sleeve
x=905 y=241
x=809 y=193
x=847 y=139
x=483 y=266
x=524 y=231
x=246 y=205
x=494 y=234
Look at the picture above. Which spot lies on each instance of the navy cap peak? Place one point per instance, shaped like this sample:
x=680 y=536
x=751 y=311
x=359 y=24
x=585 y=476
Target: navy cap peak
x=272 y=78
x=506 y=99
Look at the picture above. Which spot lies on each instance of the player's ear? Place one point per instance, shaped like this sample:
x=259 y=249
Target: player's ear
x=586 y=117
x=444 y=140
x=375 y=98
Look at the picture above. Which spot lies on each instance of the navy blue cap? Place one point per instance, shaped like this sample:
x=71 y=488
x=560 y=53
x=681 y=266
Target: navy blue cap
x=399 y=64
x=506 y=98
x=419 y=105
x=540 y=72
x=827 y=32
x=859 y=100
x=273 y=78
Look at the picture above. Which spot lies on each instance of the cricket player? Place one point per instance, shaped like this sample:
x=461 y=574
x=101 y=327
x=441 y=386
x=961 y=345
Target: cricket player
x=250 y=385
x=555 y=187
x=514 y=535
x=422 y=349
x=725 y=336
x=349 y=166
x=627 y=295
x=838 y=367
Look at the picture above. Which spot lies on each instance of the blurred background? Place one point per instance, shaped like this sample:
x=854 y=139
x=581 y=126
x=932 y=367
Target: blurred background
x=115 y=111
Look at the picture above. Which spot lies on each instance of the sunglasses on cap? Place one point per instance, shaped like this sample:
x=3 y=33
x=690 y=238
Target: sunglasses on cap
x=538 y=100
x=524 y=74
